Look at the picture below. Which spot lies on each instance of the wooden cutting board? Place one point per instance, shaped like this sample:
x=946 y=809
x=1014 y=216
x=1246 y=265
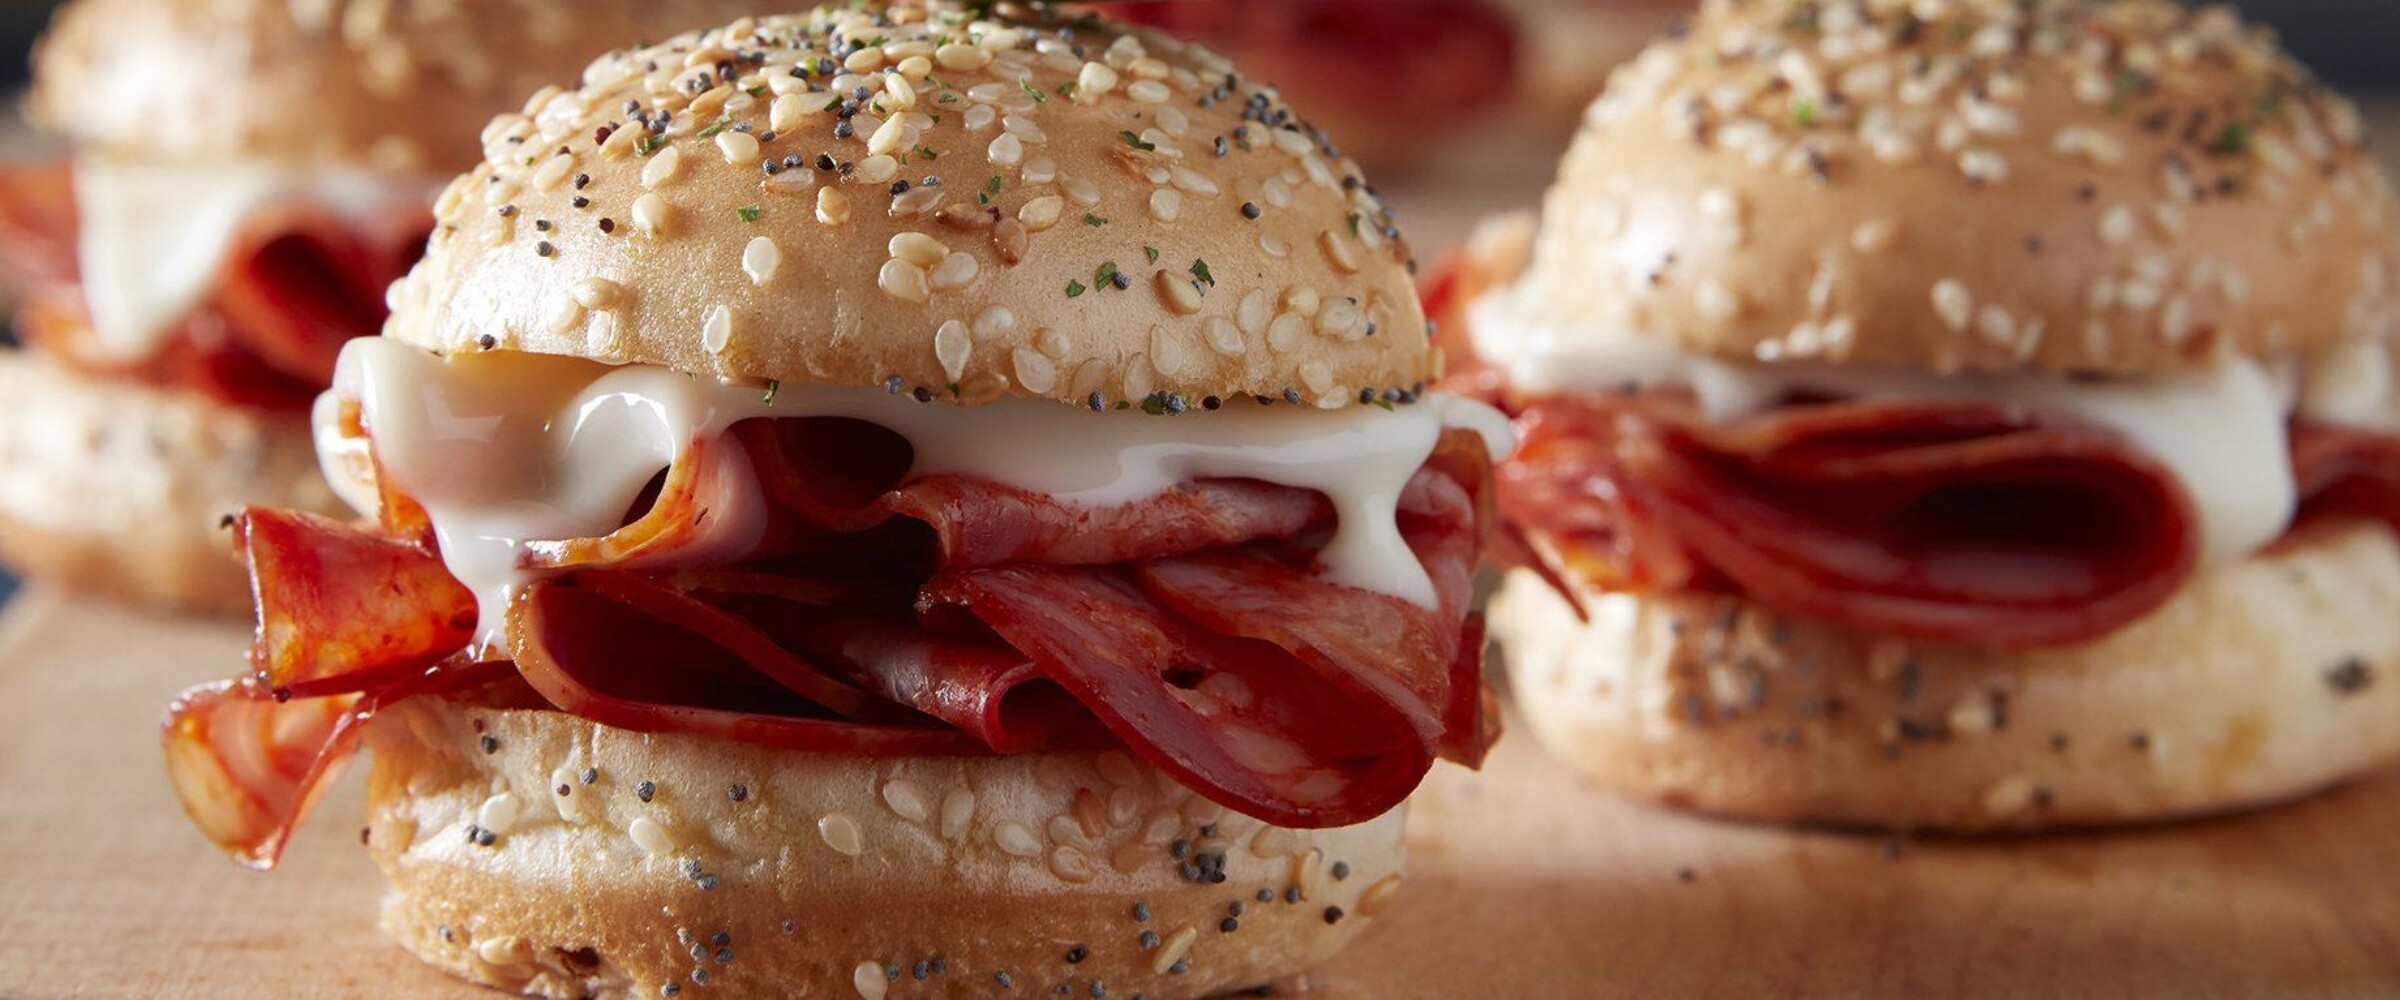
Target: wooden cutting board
x=1523 y=884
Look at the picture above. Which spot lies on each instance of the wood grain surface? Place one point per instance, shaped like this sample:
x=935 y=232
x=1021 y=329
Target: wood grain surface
x=1523 y=885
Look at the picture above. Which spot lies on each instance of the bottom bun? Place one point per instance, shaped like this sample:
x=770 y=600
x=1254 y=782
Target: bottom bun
x=2260 y=682
x=533 y=851
x=122 y=489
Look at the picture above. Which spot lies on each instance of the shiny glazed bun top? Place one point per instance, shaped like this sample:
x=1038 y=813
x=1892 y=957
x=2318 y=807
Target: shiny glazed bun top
x=391 y=85
x=921 y=196
x=2116 y=188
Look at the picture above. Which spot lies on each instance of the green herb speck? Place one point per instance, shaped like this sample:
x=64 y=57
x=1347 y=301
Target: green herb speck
x=2235 y=141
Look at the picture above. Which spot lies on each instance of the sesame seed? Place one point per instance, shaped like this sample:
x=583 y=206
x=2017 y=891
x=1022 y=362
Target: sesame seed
x=1016 y=839
x=841 y=833
x=663 y=168
x=650 y=214
x=1007 y=150
x=1954 y=304
x=833 y=207
x=1039 y=214
x=905 y=281
x=868 y=979
x=651 y=837
x=1179 y=295
x=761 y=258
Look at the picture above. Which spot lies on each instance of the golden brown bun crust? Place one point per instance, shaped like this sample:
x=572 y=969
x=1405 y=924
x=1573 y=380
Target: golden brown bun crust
x=120 y=489
x=828 y=871
x=393 y=85
x=2259 y=683
x=1054 y=171
x=2065 y=186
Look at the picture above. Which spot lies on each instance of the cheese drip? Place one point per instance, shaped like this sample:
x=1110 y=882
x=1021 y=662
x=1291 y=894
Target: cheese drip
x=2221 y=431
x=152 y=238
x=507 y=448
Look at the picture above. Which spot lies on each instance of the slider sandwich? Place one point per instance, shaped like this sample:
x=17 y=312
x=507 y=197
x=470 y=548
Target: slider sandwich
x=895 y=500
x=244 y=181
x=1952 y=414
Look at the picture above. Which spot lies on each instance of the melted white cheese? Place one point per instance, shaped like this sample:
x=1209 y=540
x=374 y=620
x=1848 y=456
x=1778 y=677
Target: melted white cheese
x=2351 y=384
x=504 y=449
x=153 y=237
x=2221 y=432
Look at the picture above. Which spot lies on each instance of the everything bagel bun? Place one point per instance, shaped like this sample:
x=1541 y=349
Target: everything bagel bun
x=1987 y=185
x=1042 y=206
x=400 y=86
x=533 y=851
x=2261 y=681
x=121 y=489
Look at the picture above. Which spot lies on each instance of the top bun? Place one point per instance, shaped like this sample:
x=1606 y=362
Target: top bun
x=390 y=85
x=926 y=197
x=2105 y=188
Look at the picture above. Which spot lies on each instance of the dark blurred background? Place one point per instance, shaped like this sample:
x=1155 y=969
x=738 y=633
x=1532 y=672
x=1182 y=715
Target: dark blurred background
x=2350 y=42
